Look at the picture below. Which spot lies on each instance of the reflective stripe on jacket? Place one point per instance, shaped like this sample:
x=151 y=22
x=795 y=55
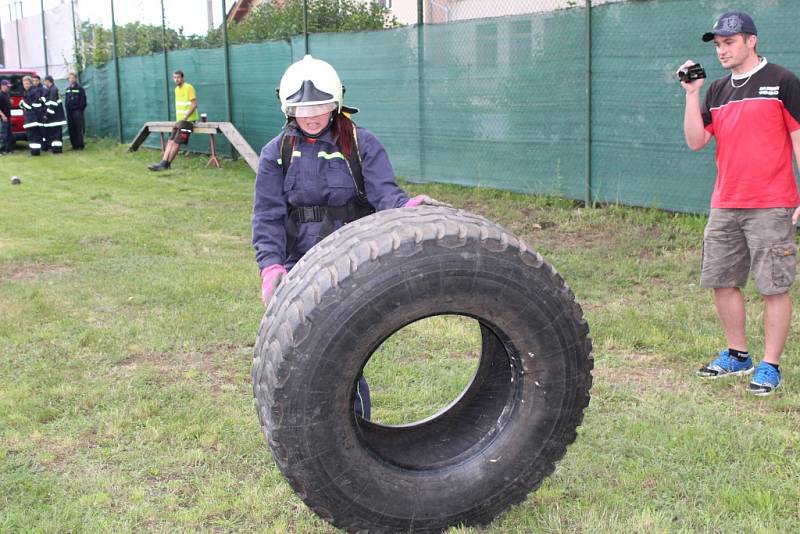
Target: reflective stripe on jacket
x=32 y=110
x=75 y=98
x=54 y=110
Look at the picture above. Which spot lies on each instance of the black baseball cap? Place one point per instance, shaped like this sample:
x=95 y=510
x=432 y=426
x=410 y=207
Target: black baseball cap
x=731 y=23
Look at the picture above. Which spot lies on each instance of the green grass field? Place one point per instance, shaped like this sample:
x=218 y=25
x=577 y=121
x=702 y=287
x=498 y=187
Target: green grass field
x=129 y=303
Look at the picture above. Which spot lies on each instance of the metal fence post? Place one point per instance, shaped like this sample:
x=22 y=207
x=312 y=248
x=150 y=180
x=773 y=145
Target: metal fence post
x=305 y=25
x=77 y=56
x=16 y=26
x=589 y=198
x=166 y=66
x=116 y=72
x=226 y=61
x=421 y=84
x=44 y=39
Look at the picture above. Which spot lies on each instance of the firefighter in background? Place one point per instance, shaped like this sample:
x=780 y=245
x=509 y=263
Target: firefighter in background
x=38 y=89
x=37 y=84
x=75 y=101
x=6 y=135
x=32 y=112
x=54 y=113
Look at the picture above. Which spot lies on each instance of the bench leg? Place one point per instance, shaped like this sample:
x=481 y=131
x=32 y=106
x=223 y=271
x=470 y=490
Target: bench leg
x=213 y=159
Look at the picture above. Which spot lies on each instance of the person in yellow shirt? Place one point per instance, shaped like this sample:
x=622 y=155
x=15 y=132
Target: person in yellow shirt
x=185 y=116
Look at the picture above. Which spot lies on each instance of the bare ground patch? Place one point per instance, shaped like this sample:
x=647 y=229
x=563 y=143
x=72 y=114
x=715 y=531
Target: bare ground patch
x=219 y=237
x=220 y=373
x=30 y=271
x=640 y=372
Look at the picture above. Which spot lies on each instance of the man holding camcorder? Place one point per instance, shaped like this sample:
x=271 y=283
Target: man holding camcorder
x=754 y=114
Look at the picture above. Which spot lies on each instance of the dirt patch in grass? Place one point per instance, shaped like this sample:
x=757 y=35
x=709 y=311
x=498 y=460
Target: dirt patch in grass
x=219 y=237
x=220 y=367
x=640 y=372
x=27 y=272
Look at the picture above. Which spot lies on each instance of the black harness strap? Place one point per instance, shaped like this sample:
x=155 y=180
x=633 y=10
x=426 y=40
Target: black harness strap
x=327 y=215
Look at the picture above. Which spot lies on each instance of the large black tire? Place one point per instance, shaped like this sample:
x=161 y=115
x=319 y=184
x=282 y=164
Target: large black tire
x=484 y=452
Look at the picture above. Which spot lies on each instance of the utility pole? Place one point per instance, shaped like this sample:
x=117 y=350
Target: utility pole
x=210 y=11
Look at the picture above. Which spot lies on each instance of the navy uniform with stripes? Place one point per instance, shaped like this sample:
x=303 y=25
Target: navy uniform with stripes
x=54 y=113
x=318 y=176
x=32 y=116
x=75 y=101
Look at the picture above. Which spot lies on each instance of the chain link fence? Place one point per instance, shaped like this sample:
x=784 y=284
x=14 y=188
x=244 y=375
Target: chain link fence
x=489 y=73
x=536 y=96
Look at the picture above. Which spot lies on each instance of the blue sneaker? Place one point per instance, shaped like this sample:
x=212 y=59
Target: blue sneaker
x=766 y=380
x=726 y=365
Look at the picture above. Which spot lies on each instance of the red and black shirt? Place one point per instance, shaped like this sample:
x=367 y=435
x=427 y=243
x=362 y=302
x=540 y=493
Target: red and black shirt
x=752 y=117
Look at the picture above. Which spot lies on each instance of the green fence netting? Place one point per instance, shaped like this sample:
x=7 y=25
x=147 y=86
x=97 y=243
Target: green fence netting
x=496 y=102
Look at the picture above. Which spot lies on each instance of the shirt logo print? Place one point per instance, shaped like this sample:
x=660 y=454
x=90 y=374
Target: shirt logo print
x=769 y=90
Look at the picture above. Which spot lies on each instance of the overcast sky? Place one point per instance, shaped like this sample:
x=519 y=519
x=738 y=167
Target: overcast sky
x=192 y=15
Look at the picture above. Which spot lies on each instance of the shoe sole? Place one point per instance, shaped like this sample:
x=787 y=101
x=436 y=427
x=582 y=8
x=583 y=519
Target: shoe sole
x=764 y=393
x=746 y=372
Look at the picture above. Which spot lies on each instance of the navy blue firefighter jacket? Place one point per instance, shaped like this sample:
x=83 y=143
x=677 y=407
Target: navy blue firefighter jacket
x=75 y=97
x=317 y=176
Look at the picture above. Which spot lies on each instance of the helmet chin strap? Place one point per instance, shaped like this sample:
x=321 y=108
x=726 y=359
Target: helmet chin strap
x=321 y=132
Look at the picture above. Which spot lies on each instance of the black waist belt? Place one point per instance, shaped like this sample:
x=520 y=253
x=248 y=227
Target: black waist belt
x=325 y=214
x=347 y=213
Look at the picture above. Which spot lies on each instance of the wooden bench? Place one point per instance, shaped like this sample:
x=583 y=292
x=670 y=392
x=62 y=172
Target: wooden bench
x=211 y=128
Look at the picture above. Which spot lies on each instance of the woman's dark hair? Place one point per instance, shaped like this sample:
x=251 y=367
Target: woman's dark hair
x=343 y=131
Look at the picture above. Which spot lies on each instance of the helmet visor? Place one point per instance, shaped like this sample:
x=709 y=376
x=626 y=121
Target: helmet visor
x=312 y=110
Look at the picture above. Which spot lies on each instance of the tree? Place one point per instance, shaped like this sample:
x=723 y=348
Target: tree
x=268 y=21
x=133 y=39
x=281 y=21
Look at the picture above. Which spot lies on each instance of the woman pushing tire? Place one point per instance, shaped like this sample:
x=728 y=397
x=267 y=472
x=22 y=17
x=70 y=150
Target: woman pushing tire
x=321 y=172
x=485 y=451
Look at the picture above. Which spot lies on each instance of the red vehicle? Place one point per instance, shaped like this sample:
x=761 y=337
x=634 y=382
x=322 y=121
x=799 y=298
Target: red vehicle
x=15 y=77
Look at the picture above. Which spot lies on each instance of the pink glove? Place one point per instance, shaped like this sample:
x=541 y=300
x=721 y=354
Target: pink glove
x=271 y=276
x=419 y=200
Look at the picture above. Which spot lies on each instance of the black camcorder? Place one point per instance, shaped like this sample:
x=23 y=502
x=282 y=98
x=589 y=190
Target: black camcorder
x=691 y=73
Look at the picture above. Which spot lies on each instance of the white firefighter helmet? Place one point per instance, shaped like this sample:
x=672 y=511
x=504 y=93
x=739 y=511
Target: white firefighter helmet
x=310 y=87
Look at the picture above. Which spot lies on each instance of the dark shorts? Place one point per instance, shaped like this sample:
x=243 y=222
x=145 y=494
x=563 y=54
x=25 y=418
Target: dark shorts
x=759 y=241
x=181 y=132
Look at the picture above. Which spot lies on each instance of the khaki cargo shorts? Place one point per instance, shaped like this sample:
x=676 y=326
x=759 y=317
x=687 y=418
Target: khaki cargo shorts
x=761 y=241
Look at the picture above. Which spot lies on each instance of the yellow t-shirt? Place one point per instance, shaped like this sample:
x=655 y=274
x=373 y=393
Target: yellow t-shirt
x=184 y=95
